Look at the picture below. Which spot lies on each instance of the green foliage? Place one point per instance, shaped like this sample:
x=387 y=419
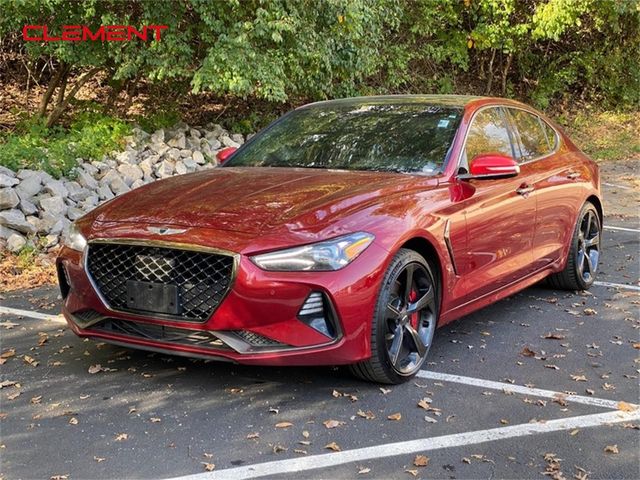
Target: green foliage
x=56 y=149
x=547 y=51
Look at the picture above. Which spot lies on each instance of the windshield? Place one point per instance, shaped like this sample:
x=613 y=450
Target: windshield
x=404 y=138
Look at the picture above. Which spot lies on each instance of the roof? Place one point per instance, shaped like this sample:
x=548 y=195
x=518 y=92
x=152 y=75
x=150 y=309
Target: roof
x=446 y=100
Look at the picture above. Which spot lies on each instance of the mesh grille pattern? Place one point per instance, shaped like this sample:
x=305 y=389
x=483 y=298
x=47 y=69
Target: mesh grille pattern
x=256 y=340
x=202 y=279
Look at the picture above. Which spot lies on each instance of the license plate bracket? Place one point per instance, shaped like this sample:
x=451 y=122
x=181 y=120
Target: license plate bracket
x=153 y=297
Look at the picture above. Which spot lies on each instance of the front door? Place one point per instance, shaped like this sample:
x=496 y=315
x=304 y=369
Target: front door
x=500 y=215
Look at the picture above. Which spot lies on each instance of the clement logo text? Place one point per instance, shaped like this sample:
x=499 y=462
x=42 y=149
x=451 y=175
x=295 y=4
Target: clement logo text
x=83 y=33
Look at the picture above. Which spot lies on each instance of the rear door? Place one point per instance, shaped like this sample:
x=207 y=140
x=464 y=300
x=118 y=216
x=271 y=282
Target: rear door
x=500 y=214
x=553 y=176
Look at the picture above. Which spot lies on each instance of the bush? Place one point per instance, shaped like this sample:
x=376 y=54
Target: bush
x=56 y=149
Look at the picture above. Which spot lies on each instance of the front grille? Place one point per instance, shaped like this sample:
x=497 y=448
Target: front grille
x=161 y=333
x=199 y=279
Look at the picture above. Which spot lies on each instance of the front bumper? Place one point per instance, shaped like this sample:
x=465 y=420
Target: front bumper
x=256 y=323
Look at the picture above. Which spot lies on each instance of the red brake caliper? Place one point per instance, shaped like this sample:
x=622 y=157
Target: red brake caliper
x=413 y=296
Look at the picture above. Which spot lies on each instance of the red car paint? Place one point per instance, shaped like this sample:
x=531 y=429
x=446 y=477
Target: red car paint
x=500 y=241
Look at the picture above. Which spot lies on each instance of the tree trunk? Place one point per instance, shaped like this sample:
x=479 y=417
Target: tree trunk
x=44 y=101
x=505 y=74
x=490 y=81
x=59 y=109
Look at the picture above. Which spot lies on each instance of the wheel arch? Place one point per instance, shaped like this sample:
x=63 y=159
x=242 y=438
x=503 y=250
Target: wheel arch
x=598 y=204
x=430 y=253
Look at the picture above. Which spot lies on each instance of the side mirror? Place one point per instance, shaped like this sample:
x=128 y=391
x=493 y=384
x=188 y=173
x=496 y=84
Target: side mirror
x=224 y=154
x=492 y=165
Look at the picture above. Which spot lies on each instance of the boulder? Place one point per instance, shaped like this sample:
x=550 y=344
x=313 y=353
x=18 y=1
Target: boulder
x=104 y=192
x=130 y=173
x=56 y=188
x=30 y=185
x=86 y=180
x=164 y=169
x=16 y=242
x=118 y=186
x=138 y=183
x=158 y=136
x=5 y=232
x=8 y=181
x=74 y=213
x=178 y=141
x=54 y=206
x=16 y=220
x=180 y=168
x=228 y=142
x=27 y=207
x=8 y=198
x=198 y=158
x=77 y=193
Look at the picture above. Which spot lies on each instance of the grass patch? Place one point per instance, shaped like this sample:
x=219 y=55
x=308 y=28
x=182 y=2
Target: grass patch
x=605 y=135
x=56 y=149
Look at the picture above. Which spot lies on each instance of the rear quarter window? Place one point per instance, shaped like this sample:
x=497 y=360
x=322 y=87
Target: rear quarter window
x=534 y=139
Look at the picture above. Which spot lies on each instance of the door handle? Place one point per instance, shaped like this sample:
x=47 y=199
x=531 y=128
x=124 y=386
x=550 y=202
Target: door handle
x=573 y=175
x=524 y=190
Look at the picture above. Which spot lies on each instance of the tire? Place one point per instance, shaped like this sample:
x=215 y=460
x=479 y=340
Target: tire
x=404 y=321
x=584 y=253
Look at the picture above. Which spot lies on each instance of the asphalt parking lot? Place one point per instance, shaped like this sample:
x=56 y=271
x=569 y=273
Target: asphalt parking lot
x=540 y=384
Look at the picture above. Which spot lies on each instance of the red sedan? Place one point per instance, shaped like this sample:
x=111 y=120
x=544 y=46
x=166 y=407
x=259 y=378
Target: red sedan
x=343 y=233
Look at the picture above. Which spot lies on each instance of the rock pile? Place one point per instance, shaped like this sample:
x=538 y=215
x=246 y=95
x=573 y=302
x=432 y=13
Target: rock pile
x=36 y=209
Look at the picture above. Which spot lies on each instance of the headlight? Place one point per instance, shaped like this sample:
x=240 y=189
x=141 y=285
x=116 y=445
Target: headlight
x=329 y=255
x=75 y=239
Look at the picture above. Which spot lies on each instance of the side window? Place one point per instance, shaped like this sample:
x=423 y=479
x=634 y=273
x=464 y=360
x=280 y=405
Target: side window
x=552 y=137
x=533 y=139
x=488 y=133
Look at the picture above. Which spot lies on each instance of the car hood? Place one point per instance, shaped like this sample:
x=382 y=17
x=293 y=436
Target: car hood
x=254 y=200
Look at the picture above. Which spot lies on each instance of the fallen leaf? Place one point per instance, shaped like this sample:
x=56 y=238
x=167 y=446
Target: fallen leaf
x=99 y=459
x=573 y=433
x=7 y=383
x=332 y=423
x=429 y=419
x=252 y=436
x=424 y=403
x=30 y=360
x=589 y=311
x=36 y=400
x=611 y=449
x=209 y=466
x=42 y=338
x=554 y=336
x=73 y=421
x=155 y=420
x=412 y=472
x=636 y=345
x=579 y=378
x=300 y=451
x=8 y=353
x=14 y=395
x=368 y=414
x=626 y=407
x=552 y=367
x=608 y=386
x=385 y=390
x=527 y=352
x=504 y=421
x=284 y=425
x=279 y=448
x=59 y=477
x=362 y=471
x=95 y=369
x=395 y=416
x=305 y=434
x=333 y=446
x=421 y=461
x=121 y=437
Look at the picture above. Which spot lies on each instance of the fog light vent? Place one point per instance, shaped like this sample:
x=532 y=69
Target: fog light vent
x=317 y=313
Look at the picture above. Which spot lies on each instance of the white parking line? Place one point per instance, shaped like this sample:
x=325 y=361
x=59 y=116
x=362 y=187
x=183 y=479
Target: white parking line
x=617 y=285
x=31 y=314
x=313 y=462
x=535 y=392
x=617 y=186
x=621 y=229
